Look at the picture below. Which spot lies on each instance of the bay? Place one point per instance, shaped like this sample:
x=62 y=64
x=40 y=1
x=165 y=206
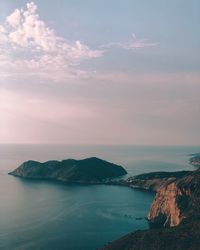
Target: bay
x=48 y=215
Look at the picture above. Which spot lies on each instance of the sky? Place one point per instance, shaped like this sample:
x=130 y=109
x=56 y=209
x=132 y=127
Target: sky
x=100 y=72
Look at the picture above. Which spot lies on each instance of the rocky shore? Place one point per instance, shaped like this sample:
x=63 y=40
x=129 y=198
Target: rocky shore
x=174 y=215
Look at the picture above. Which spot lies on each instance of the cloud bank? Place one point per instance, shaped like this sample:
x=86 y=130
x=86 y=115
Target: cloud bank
x=28 y=46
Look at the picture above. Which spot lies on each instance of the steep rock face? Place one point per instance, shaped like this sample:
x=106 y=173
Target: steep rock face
x=91 y=170
x=176 y=201
x=177 y=208
x=165 y=209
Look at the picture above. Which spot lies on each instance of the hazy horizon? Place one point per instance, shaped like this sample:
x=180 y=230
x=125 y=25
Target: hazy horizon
x=100 y=72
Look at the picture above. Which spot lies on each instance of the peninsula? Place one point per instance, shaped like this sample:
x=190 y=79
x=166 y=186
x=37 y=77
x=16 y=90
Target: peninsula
x=89 y=171
x=174 y=216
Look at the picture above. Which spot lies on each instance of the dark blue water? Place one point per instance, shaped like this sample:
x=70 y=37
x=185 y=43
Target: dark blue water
x=45 y=215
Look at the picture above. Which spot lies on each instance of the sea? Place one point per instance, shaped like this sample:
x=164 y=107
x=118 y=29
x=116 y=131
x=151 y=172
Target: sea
x=36 y=214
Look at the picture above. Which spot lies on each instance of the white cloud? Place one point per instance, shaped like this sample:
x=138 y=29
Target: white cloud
x=29 y=46
x=14 y=19
x=132 y=44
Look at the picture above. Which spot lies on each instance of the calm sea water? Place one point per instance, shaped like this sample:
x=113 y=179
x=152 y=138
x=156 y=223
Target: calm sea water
x=47 y=215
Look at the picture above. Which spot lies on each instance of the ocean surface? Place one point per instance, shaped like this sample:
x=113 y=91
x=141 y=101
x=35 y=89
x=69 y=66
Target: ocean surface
x=48 y=215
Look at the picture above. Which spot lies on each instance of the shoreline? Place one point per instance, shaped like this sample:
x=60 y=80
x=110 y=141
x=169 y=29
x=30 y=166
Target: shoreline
x=150 y=182
x=180 y=228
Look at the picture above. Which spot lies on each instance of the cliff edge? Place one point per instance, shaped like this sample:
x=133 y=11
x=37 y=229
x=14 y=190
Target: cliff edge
x=176 y=201
x=174 y=215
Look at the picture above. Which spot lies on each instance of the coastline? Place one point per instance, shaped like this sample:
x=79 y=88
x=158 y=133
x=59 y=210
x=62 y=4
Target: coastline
x=170 y=217
x=126 y=183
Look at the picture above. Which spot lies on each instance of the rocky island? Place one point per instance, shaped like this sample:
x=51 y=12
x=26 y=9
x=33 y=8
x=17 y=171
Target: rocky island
x=90 y=171
x=174 y=216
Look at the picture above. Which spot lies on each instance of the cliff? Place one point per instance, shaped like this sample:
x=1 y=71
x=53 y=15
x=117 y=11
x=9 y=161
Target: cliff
x=174 y=217
x=176 y=200
x=91 y=170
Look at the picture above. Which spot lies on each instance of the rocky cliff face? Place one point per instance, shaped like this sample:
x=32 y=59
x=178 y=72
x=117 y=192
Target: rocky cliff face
x=165 y=208
x=176 y=201
x=176 y=207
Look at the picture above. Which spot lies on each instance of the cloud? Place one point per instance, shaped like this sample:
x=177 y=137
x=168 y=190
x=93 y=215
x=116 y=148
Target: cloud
x=29 y=47
x=133 y=44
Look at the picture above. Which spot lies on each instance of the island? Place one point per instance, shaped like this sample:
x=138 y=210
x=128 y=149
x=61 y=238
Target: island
x=90 y=171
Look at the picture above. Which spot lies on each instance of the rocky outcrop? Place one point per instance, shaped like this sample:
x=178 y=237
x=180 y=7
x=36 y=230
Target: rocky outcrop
x=165 y=210
x=175 y=201
x=91 y=170
x=175 y=212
